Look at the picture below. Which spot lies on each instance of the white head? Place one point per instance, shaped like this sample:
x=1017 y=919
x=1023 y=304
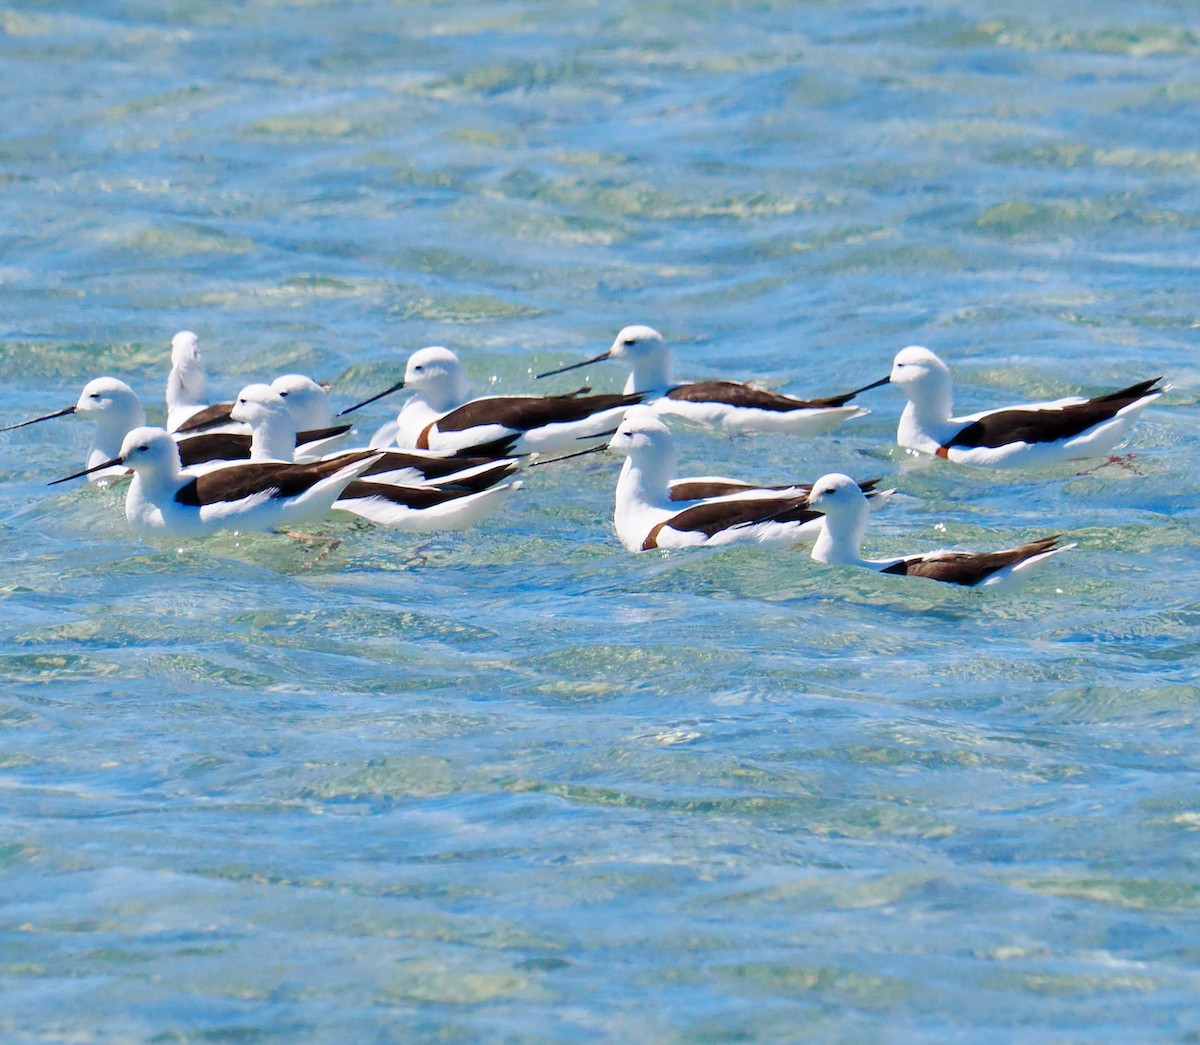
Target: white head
x=846 y=510
x=916 y=369
x=306 y=400
x=649 y=359
x=645 y=440
x=270 y=418
x=150 y=452
x=110 y=401
x=185 y=350
x=637 y=342
x=437 y=374
x=836 y=494
x=255 y=402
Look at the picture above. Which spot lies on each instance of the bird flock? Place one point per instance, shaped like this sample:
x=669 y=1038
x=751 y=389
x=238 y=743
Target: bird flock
x=276 y=456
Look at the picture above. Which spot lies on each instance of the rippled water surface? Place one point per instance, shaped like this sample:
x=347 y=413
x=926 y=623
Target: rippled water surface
x=516 y=785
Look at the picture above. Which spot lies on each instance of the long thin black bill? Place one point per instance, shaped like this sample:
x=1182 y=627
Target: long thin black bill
x=596 y=435
x=566 y=457
x=573 y=366
x=366 y=402
x=867 y=388
x=57 y=413
x=88 y=471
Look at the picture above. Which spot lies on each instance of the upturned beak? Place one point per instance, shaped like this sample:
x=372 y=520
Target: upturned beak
x=46 y=417
x=575 y=366
x=358 y=406
x=88 y=471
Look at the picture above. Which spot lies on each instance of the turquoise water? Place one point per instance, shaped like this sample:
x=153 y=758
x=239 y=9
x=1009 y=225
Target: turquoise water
x=515 y=785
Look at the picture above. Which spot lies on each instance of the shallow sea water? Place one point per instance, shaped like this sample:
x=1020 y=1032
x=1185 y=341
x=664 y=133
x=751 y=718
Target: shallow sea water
x=516 y=785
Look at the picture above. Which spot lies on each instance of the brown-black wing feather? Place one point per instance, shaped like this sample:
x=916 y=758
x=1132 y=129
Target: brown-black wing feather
x=522 y=413
x=416 y=497
x=214 y=446
x=1020 y=425
x=239 y=481
x=734 y=393
x=317 y=434
x=429 y=467
x=713 y=517
x=968 y=568
x=209 y=416
x=688 y=490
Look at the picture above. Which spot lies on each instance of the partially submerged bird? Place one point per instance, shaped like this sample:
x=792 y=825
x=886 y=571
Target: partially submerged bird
x=116 y=410
x=440 y=417
x=844 y=513
x=164 y=498
x=403 y=490
x=732 y=405
x=1030 y=434
x=654 y=511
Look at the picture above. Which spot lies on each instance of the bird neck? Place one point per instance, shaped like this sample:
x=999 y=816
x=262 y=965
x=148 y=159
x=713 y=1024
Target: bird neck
x=187 y=385
x=157 y=484
x=111 y=428
x=414 y=417
x=274 y=437
x=841 y=536
x=645 y=480
x=650 y=373
x=441 y=393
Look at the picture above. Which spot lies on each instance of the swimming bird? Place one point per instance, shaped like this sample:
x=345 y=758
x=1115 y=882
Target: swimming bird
x=395 y=489
x=440 y=417
x=732 y=405
x=117 y=410
x=272 y=426
x=1031 y=434
x=844 y=523
x=651 y=511
x=164 y=498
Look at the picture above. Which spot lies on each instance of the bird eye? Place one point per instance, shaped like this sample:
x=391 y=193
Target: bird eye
x=144 y=448
x=419 y=367
x=283 y=394
x=630 y=341
x=94 y=395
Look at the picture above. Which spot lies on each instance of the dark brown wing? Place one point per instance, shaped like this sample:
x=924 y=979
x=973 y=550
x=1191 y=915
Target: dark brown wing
x=245 y=480
x=521 y=413
x=1048 y=425
x=715 y=516
x=734 y=393
x=501 y=447
x=968 y=568
x=434 y=467
x=214 y=446
x=321 y=433
x=699 y=490
x=409 y=496
x=217 y=414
